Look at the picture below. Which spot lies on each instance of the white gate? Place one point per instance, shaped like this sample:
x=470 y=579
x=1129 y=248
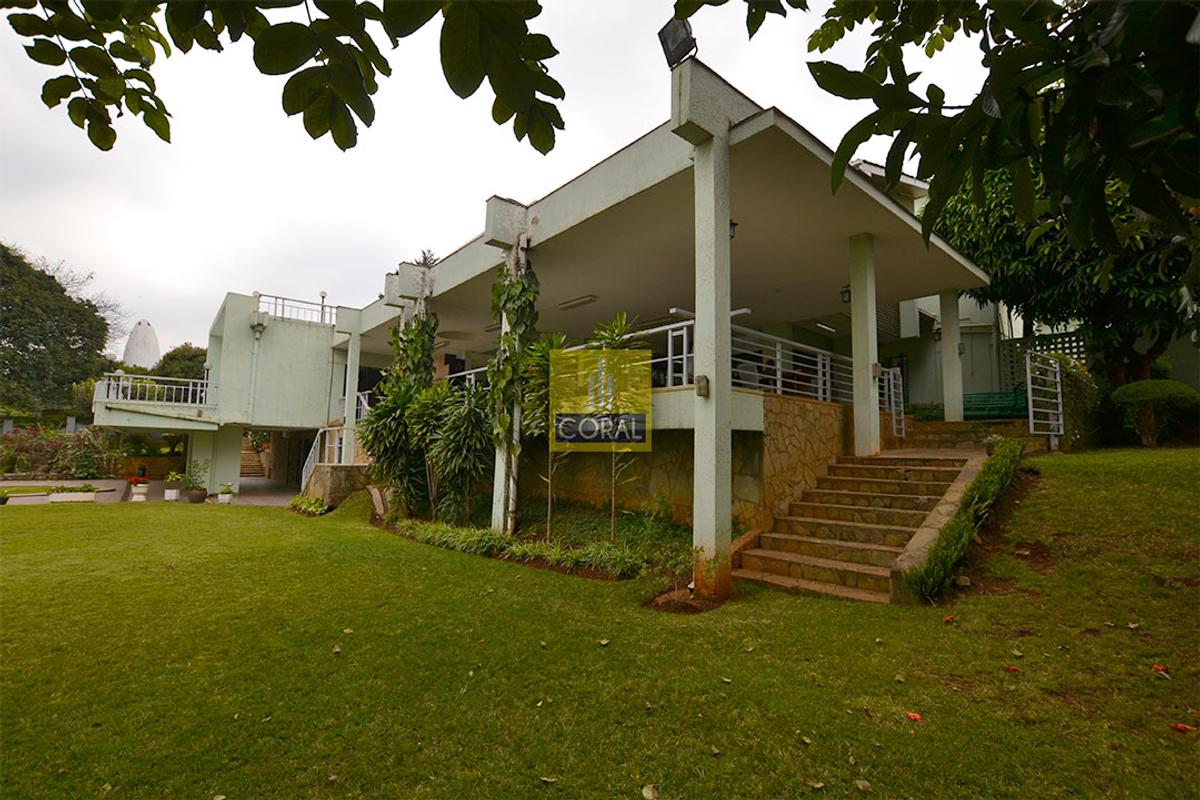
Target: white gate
x=1043 y=387
x=891 y=398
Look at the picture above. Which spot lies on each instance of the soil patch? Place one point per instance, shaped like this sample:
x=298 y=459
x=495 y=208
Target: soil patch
x=991 y=538
x=1036 y=555
x=681 y=601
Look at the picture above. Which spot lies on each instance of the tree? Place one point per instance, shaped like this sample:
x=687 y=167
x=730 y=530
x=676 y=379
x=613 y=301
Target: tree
x=48 y=339
x=331 y=51
x=1127 y=304
x=184 y=361
x=1078 y=94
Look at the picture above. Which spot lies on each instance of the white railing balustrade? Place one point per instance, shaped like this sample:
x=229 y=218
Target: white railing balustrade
x=363 y=406
x=1043 y=388
x=891 y=398
x=760 y=361
x=152 y=389
x=326 y=449
x=300 y=310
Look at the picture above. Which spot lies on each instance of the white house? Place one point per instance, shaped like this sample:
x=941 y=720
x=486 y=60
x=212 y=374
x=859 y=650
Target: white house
x=717 y=229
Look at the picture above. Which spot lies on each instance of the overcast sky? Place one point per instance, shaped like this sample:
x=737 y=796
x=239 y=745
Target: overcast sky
x=243 y=200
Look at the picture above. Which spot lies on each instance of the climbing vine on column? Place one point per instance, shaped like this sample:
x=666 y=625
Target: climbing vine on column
x=514 y=298
x=412 y=351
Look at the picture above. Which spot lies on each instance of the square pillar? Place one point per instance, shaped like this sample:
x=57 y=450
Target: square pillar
x=349 y=321
x=952 y=381
x=864 y=345
x=712 y=436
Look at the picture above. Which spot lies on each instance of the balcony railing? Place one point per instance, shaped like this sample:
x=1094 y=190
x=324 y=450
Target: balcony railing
x=326 y=449
x=760 y=361
x=301 y=310
x=152 y=389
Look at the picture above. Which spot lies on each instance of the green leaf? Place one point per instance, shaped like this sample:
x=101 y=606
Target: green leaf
x=103 y=10
x=1023 y=191
x=185 y=14
x=158 y=122
x=462 y=61
x=101 y=133
x=95 y=61
x=341 y=125
x=125 y=52
x=500 y=112
x=537 y=47
x=836 y=79
x=283 y=48
x=317 y=114
x=30 y=25
x=541 y=132
x=302 y=87
x=143 y=76
x=77 y=111
x=850 y=143
x=55 y=90
x=405 y=17
x=45 y=51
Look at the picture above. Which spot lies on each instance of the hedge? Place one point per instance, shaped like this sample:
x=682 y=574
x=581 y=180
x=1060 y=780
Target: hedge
x=1153 y=407
x=956 y=536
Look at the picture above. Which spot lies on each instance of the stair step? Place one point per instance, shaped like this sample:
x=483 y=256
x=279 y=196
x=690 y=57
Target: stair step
x=880 y=555
x=891 y=535
x=903 y=473
x=853 y=513
x=853 y=575
x=905 y=461
x=798 y=586
x=883 y=486
x=911 y=502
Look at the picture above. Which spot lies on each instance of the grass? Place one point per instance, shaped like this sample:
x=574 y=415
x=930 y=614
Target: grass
x=187 y=651
x=13 y=491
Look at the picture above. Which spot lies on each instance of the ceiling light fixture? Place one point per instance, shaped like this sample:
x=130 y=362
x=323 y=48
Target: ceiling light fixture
x=576 y=302
x=826 y=328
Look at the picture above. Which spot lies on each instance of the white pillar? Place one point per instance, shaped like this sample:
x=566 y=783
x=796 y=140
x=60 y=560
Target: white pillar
x=864 y=344
x=349 y=447
x=500 y=478
x=952 y=382
x=712 y=470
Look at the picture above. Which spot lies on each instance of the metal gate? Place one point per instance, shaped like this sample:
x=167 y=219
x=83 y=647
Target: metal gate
x=1043 y=387
x=891 y=397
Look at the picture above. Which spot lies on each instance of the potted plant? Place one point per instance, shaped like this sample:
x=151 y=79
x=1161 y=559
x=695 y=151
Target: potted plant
x=174 y=482
x=225 y=496
x=194 y=480
x=990 y=441
x=73 y=494
x=3 y=497
x=139 y=486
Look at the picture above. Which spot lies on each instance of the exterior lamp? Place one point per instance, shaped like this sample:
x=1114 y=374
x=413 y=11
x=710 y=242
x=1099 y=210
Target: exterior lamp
x=937 y=334
x=732 y=229
x=845 y=293
x=677 y=41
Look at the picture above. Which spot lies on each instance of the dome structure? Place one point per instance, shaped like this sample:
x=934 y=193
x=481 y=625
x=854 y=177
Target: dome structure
x=141 y=348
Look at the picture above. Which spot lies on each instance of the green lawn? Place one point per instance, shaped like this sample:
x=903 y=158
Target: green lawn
x=13 y=491
x=187 y=651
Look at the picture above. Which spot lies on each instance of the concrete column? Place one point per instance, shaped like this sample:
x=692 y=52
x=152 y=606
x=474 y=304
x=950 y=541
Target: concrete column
x=952 y=381
x=864 y=344
x=712 y=433
x=351 y=403
x=500 y=476
x=226 y=458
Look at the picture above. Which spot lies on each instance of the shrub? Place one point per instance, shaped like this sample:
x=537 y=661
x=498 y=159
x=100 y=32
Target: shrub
x=956 y=536
x=87 y=453
x=462 y=449
x=81 y=489
x=308 y=506
x=926 y=412
x=1153 y=407
x=1081 y=402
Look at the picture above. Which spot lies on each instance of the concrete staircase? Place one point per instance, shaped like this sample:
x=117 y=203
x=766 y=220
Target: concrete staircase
x=969 y=435
x=843 y=536
x=251 y=463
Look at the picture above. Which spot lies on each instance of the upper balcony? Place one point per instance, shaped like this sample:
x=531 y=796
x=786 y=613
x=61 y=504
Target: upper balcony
x=157 y=389
x=298 y=310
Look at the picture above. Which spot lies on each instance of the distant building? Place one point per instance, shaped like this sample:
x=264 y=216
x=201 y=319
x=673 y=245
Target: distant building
x=141 y=349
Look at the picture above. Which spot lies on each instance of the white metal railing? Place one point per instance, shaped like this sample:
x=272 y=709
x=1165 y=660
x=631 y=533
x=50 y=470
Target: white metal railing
x=760 y=361
x=326 y=449
x=363 y=406
x=891 y=398
x=152 y=389
x=290 y=308
x=1043 y=388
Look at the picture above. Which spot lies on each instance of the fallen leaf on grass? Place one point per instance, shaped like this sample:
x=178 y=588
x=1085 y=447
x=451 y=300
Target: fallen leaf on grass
x=806 y=740
x=1133 y=626
x=337 y=650
x=348 y=631
x=715 y=751
x=726 y=680
x=914 y=716
x=1183 y=727
x=948 y=619
x=1011 y=668
x=816 y=786
x=1163 y=668
x=649 y=708
x=650 y=792
x=863 y=786
x=899 y=679
x=1017 y=653
x=603 y=642
x=548 y=779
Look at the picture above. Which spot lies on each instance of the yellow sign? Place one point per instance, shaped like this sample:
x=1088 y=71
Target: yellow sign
x=600 y=400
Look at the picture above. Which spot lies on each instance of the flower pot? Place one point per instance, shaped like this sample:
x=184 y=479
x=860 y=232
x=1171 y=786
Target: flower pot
x=139 y=493
x=171 y=495
x=4 y=500
x=197 y=495
x=225 y=499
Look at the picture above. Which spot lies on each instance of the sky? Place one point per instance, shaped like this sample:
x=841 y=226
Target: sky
x=243 y=200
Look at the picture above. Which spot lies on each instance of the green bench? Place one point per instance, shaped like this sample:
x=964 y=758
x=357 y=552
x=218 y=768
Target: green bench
x=995 y=405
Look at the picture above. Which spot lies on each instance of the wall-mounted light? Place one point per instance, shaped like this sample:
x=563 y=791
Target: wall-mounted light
x=937 y=334
x=576 y=302
x=677 y=41
x=732 y=229
x=845 y=293
x=826 y=328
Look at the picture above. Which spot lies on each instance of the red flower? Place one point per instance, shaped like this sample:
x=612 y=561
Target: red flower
x=914 y=716
x=1160 y=668
x=1010 y=668
x=948 y=619
x=1183 y=727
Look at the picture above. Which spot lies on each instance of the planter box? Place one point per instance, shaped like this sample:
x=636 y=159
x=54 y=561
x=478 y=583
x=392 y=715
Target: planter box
x=171 y=495
x=72 y=497
x=138 y=493
x=224 y=499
